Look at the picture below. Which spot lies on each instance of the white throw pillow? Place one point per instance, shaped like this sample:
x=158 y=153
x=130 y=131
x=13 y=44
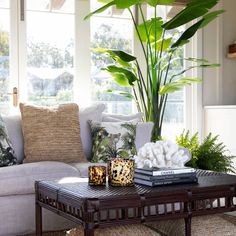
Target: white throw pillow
x=143 y=134
x=118 y=118
x=94 y=113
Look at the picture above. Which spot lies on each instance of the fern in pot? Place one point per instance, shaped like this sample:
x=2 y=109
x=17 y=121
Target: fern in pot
x=150 y=88
x=211 y=154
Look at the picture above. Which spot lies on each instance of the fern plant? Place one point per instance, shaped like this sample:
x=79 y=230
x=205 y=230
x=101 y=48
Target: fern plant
x=209 y=155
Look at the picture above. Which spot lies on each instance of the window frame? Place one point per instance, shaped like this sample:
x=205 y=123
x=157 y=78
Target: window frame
x=82 y=83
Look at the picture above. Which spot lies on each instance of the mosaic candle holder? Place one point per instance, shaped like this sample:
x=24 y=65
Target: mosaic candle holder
x=120 y=172
x=97 y=175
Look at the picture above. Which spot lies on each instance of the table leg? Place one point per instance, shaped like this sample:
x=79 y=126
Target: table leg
x=38 y=219
x=188 y=225
x=88 y=232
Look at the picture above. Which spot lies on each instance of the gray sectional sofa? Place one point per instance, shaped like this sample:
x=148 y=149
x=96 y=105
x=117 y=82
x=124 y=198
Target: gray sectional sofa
x=17 y=182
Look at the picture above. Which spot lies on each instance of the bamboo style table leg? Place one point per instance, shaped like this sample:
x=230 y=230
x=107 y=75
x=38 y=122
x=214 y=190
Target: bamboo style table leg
x=188 y=225
x=38 y=219
x=88 y=231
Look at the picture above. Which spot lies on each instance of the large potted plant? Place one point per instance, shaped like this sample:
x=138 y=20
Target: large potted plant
x=150 y=88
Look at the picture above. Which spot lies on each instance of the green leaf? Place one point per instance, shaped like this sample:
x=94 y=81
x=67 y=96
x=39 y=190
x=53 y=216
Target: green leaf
x=194 y=9
x=178 y=85
x=121 y=75
x=122 y=93
x=127 y=95
x=209 y=65
x=197 y=66
x=187 y=34
x=124 y=56
x=196 y=60
x=120 y=57
x=210 y=17
x=100 y=10
x=154 y=3
x=123 y=4
x=151 y=30
x=162 y=44
x=120 y=79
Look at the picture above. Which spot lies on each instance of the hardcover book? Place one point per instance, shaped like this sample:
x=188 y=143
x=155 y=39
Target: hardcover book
x=166 y=182
x=164 y=177
x=164 y=171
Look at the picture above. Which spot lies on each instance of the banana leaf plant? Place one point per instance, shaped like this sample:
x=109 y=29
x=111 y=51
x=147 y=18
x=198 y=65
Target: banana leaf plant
x=150 y=88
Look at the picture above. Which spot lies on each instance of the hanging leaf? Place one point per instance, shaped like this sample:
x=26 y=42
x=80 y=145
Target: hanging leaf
x=178 y=85
x=192 y=67
x=151 y=30
x=100 y=10
x=154 y=3
x=120 y=57
x=194 y=9
x=210 y=17
x=124 y=56
x=121 y=75
x=187 y=34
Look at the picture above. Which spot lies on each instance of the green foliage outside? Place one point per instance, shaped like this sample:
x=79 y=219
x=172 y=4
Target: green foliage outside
x=208 y=155
x=106 y=36
x=4 y=64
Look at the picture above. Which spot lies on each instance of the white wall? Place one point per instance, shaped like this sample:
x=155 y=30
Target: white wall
x=219 y=87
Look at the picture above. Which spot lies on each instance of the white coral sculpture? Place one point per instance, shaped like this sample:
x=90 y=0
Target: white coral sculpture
x=161 y=154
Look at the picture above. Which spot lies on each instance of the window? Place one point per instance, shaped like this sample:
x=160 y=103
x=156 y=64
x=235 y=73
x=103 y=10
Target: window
x=46 y=54
x=113 y=29
x=4 y=54
x=50 y=51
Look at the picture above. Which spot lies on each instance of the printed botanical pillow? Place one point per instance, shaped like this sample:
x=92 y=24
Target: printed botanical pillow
x=7 y=156
x=112 y=139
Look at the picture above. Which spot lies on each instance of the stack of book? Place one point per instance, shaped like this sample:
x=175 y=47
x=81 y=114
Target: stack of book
x=164 y=176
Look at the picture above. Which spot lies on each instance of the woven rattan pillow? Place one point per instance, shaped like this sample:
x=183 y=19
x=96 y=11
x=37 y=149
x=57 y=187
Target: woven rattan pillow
x=51 y=134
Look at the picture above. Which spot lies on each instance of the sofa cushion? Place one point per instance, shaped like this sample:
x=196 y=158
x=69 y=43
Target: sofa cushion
x=13 y=126
x=20 y=179
x=7 y=155
x=112 y=139
x=143 y=134
x=106 y=117
x=82 y=168
x=51 y=134
x=93 y=112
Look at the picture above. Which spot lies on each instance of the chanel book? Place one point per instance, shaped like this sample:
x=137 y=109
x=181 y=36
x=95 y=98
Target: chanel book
x=164 y=171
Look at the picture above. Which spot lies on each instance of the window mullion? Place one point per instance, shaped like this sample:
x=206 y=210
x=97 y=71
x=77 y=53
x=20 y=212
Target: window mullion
x=22 y=50
x=82 y=83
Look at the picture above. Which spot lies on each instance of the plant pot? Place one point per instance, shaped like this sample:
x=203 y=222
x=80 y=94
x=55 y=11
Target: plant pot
x=120 y=172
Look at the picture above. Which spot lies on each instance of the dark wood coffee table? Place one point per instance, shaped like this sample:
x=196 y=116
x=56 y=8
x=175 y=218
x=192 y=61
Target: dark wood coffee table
x=105 y=206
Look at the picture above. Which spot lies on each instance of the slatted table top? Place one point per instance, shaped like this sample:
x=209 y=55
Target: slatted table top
x=79 y=187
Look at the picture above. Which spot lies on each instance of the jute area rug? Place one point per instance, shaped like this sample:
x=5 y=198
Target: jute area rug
x=209 y=225
x=126 y=230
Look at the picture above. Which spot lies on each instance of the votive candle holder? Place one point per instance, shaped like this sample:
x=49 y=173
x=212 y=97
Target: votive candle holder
x=120 y=172
x=97 y=175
